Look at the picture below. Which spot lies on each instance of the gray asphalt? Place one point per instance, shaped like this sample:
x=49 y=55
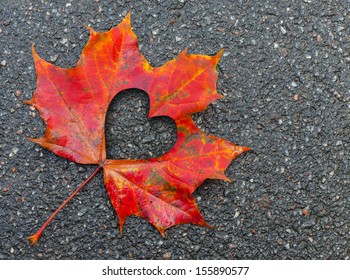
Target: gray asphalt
x=286 y=80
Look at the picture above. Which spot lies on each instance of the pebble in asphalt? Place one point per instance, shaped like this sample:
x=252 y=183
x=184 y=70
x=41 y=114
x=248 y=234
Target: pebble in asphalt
x=285 y=76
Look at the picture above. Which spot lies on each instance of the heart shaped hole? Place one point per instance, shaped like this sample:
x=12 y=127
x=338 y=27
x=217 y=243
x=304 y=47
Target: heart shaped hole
x=130 y=134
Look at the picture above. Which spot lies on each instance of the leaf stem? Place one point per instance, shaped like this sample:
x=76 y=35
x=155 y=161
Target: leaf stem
x=34 y=238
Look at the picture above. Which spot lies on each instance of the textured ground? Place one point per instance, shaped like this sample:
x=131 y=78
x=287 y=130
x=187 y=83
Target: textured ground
x=286 y=80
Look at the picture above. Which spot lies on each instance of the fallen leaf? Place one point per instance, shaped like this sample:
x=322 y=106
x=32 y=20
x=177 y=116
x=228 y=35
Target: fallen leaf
x=73 y=103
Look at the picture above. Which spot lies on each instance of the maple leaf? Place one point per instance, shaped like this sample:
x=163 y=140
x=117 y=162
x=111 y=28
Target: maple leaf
x=73 y=103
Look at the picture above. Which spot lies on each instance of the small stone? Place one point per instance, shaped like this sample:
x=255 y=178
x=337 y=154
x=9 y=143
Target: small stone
x=307 y=56
x=197 y=248
x=231 y=246
x=64 y=41
x=339 y=143
x=81 y=169
x=296 y=97
x=53 y=58
x=12 y=250
x=6 y=22
x=309 y=224
x=14 y=150
x=148 y=242
x=148 y=139
x=236 y=214
x=155 y=31
x=3 y=62
x=294 y=84
x=284 y=51
x=287 y=246
x=167 y=256
x=336 y=95
x=81 y=212
x=177 y=38
x=305 y=211
x=340 y=28
x=283 y=30
x=68 y=4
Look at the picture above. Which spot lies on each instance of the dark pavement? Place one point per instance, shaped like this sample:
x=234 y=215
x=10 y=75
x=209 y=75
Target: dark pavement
x=286 y=80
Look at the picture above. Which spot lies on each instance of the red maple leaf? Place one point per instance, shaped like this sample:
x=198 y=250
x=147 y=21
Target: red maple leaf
x=73 y=104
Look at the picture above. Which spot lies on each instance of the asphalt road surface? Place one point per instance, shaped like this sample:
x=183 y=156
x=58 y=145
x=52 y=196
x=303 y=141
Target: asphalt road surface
x=286 y=81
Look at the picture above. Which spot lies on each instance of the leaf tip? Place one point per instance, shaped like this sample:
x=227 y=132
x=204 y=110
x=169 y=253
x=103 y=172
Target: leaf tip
x=217 y=57
x=184 y=52
x=35 y=55
x=91 y=30
x=127 y=18
x=220 y=175
x=216 y=96
x=219 y=54
x=243 y=149
x=205 y=224
x=219 y=96
x=126 y=22
x=237 y=150
x=35 y=140
x=28 y=102
x=121 y=225
x=225 y=178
